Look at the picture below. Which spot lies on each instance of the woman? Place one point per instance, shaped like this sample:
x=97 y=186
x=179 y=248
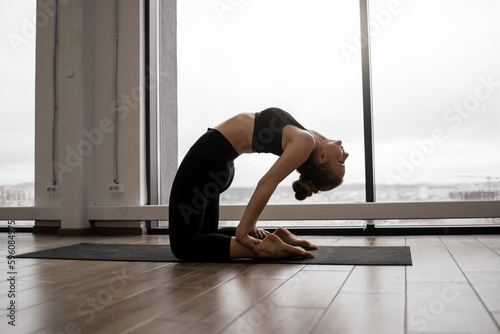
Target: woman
x=207 y=170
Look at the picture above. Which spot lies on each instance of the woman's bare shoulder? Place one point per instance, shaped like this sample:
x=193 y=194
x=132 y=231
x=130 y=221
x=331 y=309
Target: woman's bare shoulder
x=292 y=133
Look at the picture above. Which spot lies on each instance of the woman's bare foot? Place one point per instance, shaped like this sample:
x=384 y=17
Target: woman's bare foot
x=291 y=239
x=273 y=247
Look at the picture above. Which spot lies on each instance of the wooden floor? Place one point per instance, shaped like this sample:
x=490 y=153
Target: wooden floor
x=452 y=287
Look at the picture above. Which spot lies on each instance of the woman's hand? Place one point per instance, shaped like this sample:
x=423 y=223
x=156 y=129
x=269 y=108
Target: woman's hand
x=249 y=241
x=258 y=233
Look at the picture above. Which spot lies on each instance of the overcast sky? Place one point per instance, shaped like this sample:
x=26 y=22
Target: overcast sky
x=303 y=56
x=430 y=60
x=17 y=79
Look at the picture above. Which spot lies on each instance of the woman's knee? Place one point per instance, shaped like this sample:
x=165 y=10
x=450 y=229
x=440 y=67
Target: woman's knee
x=180 y=251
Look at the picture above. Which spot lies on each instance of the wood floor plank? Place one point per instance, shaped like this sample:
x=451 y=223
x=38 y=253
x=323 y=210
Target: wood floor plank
x=271 y=319
x=47 y=269
x=363 y=313
x=434 y=269
x=213 y=275
x=63 y=302
x=276 y=271
x=466 y=250
x=89 y=269
x=121 y=315
x=73 y=301
x=487 y=285
x=22 y=286
x=40 y=295
x=446 y=307
x=491 y=241
x=69 y=271
x=43 y=292
x=174 y=327
x=353 y=241
x=376 y=279
x=496 y=316
x=466 y=245
x=21 y=263
x=120 y=285
x=323 y=240
x=325 y=267
x=224 y=303
x=426 y=246
x=47 y=314
x=308 y=289
x=388 y=241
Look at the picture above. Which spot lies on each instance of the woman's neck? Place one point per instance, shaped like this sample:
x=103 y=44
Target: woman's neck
x=319 y=140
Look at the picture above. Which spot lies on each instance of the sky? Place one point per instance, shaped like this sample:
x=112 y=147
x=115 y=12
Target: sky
x=428 y=59
x=17 y=91
x=435 y=78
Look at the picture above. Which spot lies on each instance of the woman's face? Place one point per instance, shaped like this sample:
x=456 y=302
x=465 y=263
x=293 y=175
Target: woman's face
x=336 y=156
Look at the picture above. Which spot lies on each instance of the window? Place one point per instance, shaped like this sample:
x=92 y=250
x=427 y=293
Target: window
x=436 y=100
x=305 y=57
x=247 y=56
x=17 y=85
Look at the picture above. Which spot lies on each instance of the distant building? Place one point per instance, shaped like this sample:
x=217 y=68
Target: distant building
x=17 y=195
x=478 y=195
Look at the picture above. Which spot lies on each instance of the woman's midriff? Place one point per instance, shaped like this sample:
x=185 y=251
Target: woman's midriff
x=238 y=130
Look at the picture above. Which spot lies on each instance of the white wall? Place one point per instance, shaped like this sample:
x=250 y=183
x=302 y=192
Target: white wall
x=131 y=94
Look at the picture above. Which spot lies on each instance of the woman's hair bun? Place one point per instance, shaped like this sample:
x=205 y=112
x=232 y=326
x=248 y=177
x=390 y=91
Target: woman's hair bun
x=304 y=189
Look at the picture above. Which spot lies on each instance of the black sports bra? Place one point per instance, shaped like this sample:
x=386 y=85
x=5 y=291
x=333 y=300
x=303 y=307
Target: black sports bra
x=267 y=132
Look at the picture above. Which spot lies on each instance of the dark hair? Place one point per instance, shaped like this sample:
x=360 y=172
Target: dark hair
x=315 y=178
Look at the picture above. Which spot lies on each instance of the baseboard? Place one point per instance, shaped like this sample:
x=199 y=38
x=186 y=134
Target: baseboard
x=101 y=230
x=75 y=232
x=50 y=230
x=120 y=231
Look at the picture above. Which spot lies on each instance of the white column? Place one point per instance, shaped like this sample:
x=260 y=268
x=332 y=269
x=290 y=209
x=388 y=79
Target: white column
x=75 y=110
x=85 y=130
x=130 y=101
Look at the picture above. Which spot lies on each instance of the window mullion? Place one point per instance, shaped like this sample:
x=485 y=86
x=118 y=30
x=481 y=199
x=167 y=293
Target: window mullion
x=367 y=101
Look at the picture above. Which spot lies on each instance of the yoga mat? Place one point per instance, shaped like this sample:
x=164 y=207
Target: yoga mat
x=340 y=255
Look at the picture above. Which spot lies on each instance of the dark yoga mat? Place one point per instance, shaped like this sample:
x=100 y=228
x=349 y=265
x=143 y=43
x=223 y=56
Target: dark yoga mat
x=350 y=255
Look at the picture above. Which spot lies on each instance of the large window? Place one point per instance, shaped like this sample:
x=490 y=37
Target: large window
x=246 y=56
x=436 y=99
x=435 y=95
x=17 y=87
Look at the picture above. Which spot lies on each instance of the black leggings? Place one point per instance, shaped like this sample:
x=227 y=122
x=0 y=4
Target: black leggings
x=206 y=171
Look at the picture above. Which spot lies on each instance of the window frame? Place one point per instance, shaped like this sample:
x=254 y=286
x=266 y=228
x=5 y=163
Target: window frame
x=370 y=211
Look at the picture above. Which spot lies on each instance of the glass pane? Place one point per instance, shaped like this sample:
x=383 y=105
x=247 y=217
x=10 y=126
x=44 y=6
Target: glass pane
x=17 y=91
x=246 y=56
x=436 y=89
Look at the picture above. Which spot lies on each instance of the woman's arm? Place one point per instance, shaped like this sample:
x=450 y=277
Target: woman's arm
x=296 y=151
